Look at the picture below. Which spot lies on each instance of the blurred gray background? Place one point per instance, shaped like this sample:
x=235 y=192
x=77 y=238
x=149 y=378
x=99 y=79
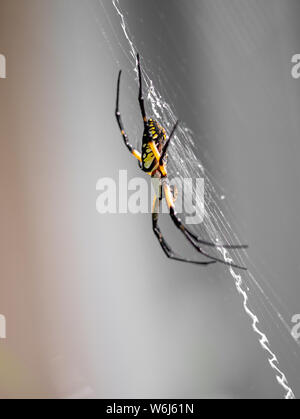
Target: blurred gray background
x=93 y=307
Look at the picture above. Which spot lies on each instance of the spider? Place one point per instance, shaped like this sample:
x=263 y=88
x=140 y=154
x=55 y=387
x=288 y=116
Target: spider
x=153 y=161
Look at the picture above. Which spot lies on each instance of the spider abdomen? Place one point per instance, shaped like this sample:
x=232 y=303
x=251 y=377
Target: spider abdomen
x=156 y=133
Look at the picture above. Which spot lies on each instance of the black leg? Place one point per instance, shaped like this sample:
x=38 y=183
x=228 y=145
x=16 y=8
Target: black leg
x=216 y=245
x=164 y=245
x=141 y=97
x=166 y=146
x=120 y=123
x=182 y=228
x=192 y=235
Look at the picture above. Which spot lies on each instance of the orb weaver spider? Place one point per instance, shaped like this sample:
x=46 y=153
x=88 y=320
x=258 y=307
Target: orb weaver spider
x=153 y=161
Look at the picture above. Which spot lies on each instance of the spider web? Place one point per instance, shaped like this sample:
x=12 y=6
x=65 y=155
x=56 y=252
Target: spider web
x=184 y=163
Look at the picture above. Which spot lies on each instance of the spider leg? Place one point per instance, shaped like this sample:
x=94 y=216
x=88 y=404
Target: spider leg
x=141 y=97
x=216 y=245
x=166 y=146
x=182 y=228
x=132 y=150
x=164 y=245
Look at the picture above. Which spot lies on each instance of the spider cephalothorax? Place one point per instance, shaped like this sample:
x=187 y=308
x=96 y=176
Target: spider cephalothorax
x=153 y=160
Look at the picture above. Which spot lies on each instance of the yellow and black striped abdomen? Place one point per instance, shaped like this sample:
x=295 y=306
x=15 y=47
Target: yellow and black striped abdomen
x=153 y=132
